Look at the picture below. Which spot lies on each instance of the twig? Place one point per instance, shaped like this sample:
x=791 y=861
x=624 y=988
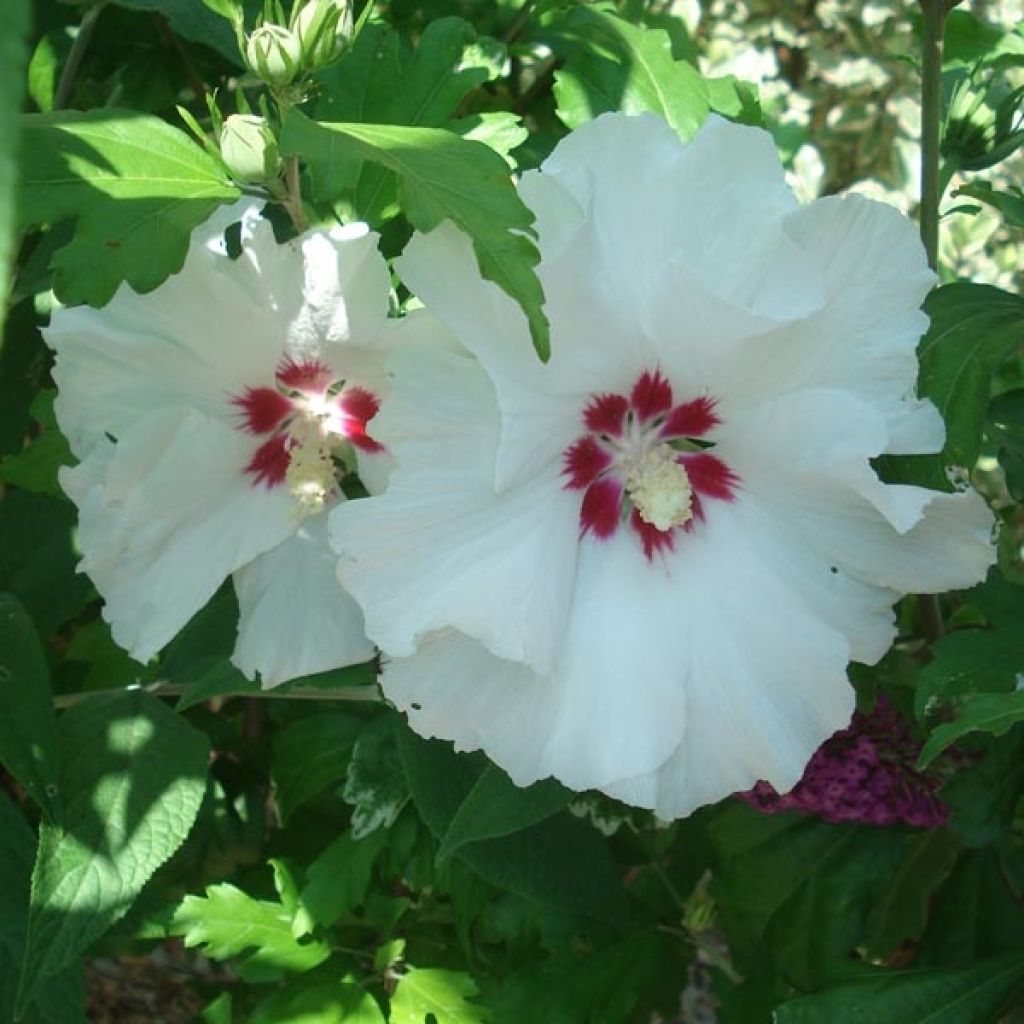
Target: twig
x=161 y=689
x=66 y=85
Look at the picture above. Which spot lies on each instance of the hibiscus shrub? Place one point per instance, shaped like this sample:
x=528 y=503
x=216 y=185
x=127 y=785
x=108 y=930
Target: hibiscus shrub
x=488 y=535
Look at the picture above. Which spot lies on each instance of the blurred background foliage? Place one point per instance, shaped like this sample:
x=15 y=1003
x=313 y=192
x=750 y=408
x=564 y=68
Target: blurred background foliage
x=190 y=850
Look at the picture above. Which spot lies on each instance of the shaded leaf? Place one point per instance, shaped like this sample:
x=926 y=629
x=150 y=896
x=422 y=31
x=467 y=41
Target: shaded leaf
x=325 y=1003
x=35 y=467
x=132 y=779
x=28 y=725
x=374 y=781
x=338 y=880
x=987 y=712
x=135 y=187
x=13 y=57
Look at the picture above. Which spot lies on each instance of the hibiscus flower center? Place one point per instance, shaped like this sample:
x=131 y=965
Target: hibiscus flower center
x=310 y=421
x=647 y=461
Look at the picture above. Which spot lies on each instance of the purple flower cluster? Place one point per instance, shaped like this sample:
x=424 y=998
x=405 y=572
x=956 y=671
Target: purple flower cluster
x=864 y=773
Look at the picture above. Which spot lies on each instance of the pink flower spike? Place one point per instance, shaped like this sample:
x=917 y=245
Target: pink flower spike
x=306 y=375
x=691 y=419
x=358 y=404
x=269 y=463
x=710 y=476
x=652 y=395
x=263 y=409
x=605 y=414
x=583 y=462
x=602 y=507
x=653 y=539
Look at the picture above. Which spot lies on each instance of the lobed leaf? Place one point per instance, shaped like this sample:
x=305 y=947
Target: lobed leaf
x=445 y=994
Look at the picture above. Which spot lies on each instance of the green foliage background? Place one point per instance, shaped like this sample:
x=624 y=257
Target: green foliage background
x=304 y=857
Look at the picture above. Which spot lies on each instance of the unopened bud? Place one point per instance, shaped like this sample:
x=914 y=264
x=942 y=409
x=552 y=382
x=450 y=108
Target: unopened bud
x=249 y=148
x=323 y=28
x=274 y=54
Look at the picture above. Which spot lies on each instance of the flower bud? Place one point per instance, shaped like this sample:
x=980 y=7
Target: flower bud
x=323 y=28
x=273 y=53
x=249 y=148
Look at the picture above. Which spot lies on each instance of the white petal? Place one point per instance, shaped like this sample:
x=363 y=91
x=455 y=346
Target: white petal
x=164 y=516
x=865 y=337
x=440 y=547
x=294 y=617
x=804 y=459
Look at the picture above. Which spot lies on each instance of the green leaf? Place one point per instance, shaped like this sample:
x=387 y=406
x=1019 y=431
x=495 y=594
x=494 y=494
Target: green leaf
x=974 y=329
x=338 y=880
x=28 y=725
x=311 y=754
x=38 y=560
x=988 y=712
x=559 y=862
x=445 y=994
x=229 y=923
x=374 y=781
x=627 y=67
x=132 y=779
x=135 y=186
x=325 y=1003
x=975 y=995
x=35 y=467
x=1009 y=204
x=13 y=55
x=23 y=370
x=797 y=891
x=63 y=1001
x=496 y=806
x=441 y=176
x=197 y=22
x=902 y=912
x=969 y=661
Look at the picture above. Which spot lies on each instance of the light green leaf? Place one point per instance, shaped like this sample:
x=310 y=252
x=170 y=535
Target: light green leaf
x=1010 y=204
x=620 y=66
x=28 y=726
x=229 y=923
x=974 y=995
x=496 y=806
x=325 y=1003
x=445 y=994
x=135 y=186
x=987 y=712
x=441 y=176
x=13 y=55
x=974 y=330
x=132 y=779
x=35 y=467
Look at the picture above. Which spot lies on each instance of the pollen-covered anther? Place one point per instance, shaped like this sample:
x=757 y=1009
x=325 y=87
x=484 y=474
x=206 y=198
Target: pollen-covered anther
x=311 y=475
x=659 y=488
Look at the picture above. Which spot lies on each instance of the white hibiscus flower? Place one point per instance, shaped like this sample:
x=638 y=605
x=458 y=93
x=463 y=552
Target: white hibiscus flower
x=644 y=567
x=211 y=418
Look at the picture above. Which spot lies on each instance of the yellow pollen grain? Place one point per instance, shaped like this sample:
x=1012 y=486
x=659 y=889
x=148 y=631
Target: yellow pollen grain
x=659 y=489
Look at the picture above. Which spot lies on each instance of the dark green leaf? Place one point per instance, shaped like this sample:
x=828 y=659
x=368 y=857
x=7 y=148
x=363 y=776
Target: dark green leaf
x=196 y=22
x=627 y=67
x=798 y=891
x=559 y=862
x=974 y=330
x=38 y=560
x=1009 y=204
x=496 y=806
x=28 y=726
x=135 y=186
x=374 y=781
x=132 y=779
x=987 y=712
x=35 y=467
x=337 y=881
x=310 y=755
x=13 y=57
x=902 y=911
x=441 y=176
x=975 y=995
